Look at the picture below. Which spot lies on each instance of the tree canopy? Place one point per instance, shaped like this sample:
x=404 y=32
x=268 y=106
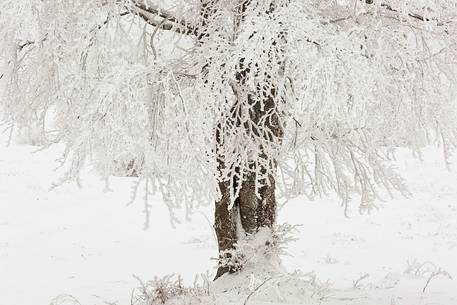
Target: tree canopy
x=162 y=86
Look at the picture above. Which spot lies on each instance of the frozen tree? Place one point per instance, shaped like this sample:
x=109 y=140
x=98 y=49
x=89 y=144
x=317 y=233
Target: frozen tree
x=237 y=102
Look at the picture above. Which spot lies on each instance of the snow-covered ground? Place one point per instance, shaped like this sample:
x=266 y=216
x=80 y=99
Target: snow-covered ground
x=87 y=243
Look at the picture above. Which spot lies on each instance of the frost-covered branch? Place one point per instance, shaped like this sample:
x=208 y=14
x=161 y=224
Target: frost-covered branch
x=416 y=16
x=149 y=11
x=403 y=15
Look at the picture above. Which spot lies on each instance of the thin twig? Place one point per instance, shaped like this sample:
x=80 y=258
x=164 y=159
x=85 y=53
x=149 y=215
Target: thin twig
x=258 y=287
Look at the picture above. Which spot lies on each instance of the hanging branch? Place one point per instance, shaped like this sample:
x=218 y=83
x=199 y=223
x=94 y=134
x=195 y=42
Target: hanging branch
x=145 y=12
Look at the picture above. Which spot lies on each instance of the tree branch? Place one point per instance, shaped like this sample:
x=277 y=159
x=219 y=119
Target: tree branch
x=24 y=44
x=412 y=15
x=171 y=23
x=389 y=8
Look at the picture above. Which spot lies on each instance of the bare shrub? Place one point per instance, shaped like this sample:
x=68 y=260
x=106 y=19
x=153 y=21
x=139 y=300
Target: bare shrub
x=169 y=287
x=427 y=270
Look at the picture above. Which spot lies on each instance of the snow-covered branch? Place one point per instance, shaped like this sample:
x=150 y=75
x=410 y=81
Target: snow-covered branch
x=171 y=22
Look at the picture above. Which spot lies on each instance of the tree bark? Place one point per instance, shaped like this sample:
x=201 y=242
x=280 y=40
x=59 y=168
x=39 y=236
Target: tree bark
x=250 y=211
x=225 y=225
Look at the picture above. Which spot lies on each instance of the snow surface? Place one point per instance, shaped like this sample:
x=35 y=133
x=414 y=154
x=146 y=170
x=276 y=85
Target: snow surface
x=87 y=243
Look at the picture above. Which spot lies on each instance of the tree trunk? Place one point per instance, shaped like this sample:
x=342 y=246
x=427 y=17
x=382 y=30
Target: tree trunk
x=251 y=211
x=225 y=224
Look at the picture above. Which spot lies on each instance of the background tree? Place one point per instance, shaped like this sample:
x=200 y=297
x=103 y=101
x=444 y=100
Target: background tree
x=241 y=102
